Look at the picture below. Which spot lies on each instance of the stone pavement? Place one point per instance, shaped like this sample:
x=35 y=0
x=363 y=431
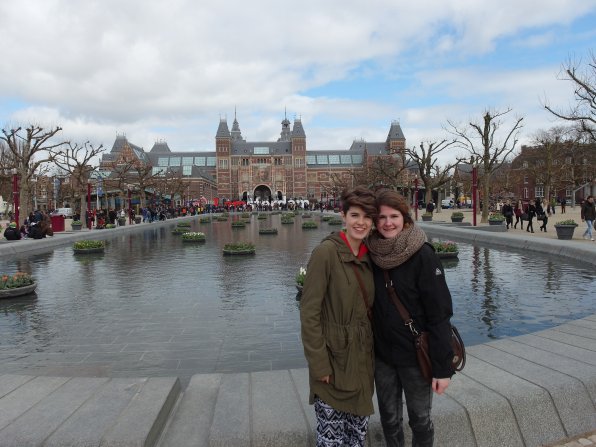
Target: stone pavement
x=530 y=390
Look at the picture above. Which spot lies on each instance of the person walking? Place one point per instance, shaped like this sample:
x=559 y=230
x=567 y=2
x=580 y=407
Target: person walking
x=531 y=211
x=541 y=214
x=588 y=214
x=335 y=312
x=507 y=211
x=398 y=249
x=519 y=210
x=563 y=203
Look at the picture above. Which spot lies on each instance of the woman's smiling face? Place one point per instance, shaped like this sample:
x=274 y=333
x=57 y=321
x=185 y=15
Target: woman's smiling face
x=390 y=222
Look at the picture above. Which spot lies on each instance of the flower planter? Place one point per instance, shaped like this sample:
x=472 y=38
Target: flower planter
x=138 y=219
x=18 y=291
x=427 y=218
x=565 y=232
x=268 y=231
x=122 y=221
x=496 y=222
x=194 y=241
x=447 y=254
x=86 y=251
x=238 y=252
x=457 y=219
x=76 y=227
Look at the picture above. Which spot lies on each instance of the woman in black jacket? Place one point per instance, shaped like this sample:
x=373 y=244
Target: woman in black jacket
x=399 y=247
x=531 y=214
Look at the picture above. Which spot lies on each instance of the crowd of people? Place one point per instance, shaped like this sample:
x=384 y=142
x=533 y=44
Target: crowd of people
x=36 y=226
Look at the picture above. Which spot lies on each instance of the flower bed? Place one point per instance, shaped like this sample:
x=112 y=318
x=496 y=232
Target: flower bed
x=287 y=220
x=109 y=226
x=238 y=224
x=239 y=248
x=205 y=220
x=179 y=230
x=267 y=230
x=16 y=285
x=327 y=218
x=88 y=246
x=335 y=221
x=309 y=225
x=262 y=216
x=193 y=237
x=245 y=215
x=446 y=249
x=183 y=224
x=222 y=218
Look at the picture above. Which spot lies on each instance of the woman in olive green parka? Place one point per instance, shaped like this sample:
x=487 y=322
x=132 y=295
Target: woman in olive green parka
x=336 y=331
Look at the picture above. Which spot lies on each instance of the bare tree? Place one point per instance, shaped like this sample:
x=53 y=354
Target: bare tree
x=75 y=159
x=29 y=152
x=481 y=140
x=548 y=168
x=584 y=83
x=431 y=174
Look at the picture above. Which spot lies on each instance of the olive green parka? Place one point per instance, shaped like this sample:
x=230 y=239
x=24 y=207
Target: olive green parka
x=336 y=332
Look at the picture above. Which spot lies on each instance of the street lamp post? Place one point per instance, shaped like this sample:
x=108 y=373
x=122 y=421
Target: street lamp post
x=474 y=189
x=15 y=195
x=88 y=205
x=129 y=208
x=416 y=197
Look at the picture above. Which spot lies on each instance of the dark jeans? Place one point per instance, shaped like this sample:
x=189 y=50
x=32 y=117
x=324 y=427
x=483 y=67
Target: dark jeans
x=390 y=382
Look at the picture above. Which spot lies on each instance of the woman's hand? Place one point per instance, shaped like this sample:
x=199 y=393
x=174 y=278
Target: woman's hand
x=440 y=385
x=325 y=379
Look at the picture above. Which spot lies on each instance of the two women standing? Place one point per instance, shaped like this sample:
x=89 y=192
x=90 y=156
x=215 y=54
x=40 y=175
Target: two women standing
x=339 y=289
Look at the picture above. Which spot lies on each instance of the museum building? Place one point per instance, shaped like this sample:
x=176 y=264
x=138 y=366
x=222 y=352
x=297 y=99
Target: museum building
x=268 y=170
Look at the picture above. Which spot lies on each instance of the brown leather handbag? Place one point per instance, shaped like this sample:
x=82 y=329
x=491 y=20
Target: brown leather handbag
x=421 y=337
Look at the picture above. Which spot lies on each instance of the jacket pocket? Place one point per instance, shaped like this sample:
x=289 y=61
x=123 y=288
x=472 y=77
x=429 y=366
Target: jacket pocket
x=341 y=356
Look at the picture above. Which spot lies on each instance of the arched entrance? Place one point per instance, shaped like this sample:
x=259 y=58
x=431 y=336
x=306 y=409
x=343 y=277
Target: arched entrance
x=262 y=192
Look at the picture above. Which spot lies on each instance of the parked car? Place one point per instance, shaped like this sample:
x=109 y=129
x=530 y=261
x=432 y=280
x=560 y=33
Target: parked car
x=447 y=203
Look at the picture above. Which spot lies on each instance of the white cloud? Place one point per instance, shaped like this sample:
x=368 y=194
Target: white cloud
x=167 y=70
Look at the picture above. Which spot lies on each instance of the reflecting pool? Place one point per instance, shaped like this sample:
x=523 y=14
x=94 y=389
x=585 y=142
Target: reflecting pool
x=153 y=305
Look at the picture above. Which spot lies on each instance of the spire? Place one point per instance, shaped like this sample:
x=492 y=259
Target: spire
x=286 y=132
x=298 y=131
x=395 y=132
x=236 y=133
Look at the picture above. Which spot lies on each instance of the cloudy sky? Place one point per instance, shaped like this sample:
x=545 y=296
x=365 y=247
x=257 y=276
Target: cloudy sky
x=155 y=70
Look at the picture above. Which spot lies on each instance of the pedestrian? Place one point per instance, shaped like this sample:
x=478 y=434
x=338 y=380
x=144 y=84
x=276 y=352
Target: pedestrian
x=335 y=312
x=519 y=210
x=588 y=214
x=430 y=207
x=563 y=203
x=541 y=214
x=507 y=210
x=397 y=247
x=531 y=211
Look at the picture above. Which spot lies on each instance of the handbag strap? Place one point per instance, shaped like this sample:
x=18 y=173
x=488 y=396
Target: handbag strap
x=403 y=312
x=363 y=292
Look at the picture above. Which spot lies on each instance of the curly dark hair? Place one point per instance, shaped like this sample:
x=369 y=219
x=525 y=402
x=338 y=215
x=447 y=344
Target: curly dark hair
x=359 y=196
x=395 y=200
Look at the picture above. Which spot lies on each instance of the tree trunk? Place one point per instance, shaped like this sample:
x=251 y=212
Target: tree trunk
x=485 y=201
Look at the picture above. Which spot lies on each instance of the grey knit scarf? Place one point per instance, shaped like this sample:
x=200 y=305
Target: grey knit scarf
x=389 y=253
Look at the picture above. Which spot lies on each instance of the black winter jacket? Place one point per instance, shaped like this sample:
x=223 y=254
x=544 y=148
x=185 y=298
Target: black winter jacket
x=420 y=285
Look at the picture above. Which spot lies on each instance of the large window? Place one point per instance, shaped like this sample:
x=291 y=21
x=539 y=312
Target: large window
x=223 y=163
x=526 y=193
x=163 y=161
x=187 y=160
x=158 y=171
x=200 y=161
x=334 y=159
x=261 y=151
x=210 y=161
x=186 y=170
x=311 y=159
x=346 y=159
x=299 y=163
x=357 y=159
x=539 y=191
x=174 y=161
x=322 y=160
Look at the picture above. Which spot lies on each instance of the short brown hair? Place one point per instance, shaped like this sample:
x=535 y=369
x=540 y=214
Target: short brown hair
x=395 y=200
x=359 y=196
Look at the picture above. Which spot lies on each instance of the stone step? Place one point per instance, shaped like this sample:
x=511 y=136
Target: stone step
x=76 y=411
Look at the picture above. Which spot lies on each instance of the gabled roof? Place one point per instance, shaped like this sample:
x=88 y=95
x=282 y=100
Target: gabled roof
x=298 y=130
x=395 y=132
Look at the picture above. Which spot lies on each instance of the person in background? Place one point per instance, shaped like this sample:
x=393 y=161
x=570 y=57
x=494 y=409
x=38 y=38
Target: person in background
x=398 y=248
x=531 y=211
x=519 y=210
x=12 y=233
x=335 y=311
x=507 y=211
x=563 y=203
x=588 y=214
x=540 y=212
